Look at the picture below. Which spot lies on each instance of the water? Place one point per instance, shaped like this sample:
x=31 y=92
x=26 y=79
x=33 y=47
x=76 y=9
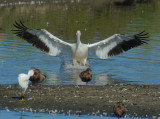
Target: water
x=28 y=115
x=97 y=22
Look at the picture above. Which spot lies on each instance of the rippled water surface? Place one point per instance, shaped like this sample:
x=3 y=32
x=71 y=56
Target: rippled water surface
x=140 y=65
x=28 y=115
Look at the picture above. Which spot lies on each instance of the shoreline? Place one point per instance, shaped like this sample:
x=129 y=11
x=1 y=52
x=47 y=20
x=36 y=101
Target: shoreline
x=139 y=100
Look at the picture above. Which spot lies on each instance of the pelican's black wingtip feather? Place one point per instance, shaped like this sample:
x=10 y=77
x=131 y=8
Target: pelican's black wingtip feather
x=17 y=24
x=140 y=32
x=142 y=36
x=20 y=28
x=29 y=35
x=20 y=25
x=143 y=33
x=136 y=40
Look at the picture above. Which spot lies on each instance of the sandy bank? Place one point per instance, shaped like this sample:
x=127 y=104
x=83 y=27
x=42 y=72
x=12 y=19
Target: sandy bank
x=140 y=100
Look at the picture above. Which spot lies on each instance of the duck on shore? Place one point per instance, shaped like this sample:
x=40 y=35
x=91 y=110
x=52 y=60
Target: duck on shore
x=86 y=75
x=38 y=76
x=119 y=109
x=23 y=80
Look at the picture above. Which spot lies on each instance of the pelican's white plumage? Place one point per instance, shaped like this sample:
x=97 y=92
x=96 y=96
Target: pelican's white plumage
x=23 y=80
x=52 y=45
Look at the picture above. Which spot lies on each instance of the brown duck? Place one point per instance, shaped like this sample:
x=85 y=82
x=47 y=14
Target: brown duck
x=38 y=76
x=86 y=76
x=119 y=109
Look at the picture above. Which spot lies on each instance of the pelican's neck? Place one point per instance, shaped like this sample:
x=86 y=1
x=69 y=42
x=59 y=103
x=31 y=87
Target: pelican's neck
x=78 y=39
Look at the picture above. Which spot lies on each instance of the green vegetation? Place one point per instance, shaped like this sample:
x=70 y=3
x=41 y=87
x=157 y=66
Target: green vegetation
x=64 y=18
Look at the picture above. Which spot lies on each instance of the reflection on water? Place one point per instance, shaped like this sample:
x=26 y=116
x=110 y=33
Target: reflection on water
x=69 y=74
x=97 y=21
x=53 y=115
x=1 y=34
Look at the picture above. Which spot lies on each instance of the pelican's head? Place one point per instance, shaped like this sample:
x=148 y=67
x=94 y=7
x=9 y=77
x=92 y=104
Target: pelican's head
x=78 y=33
x=78 y=36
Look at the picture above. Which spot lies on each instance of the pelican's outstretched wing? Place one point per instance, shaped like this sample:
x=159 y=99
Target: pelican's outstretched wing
x=41 y=39
x=116 y=44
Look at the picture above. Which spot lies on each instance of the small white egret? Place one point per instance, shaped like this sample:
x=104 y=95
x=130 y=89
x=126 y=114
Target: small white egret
x=53 y=46
x=23 y=80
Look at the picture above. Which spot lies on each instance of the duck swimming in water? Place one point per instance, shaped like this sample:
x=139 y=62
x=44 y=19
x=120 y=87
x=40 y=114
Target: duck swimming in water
x=38 y=76
x=23 y=80
x=86 y=75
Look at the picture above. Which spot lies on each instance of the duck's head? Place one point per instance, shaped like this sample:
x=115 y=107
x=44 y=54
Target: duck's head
x=88 y=69
x=119 y=109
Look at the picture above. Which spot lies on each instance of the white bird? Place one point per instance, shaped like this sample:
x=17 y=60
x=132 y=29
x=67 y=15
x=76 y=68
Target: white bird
x=53 y=46
x=23 y=80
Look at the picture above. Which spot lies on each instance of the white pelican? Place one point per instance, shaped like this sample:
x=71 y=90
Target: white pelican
x=23 y=80
x=53 y=46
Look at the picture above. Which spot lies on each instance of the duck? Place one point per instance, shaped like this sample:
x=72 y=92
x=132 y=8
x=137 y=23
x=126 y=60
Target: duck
x=23 y=81
x=119 y=109
x=86 y=75
x=38 y=76
x=52 y=45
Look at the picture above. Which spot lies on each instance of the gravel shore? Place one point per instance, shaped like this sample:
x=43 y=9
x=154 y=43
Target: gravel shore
x=140 y=100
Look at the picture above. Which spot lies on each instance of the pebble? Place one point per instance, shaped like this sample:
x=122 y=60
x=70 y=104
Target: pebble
x=6 y=108
x=29 y=98
x=154 y=117
x=105 y=113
